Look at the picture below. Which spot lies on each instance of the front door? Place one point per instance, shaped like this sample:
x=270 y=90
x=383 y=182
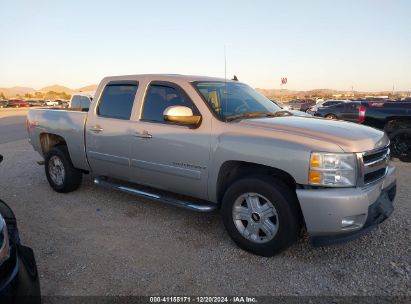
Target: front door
x=109 y=130
x=166 y=155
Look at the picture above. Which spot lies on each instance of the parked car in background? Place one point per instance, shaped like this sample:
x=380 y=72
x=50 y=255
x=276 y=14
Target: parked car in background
x=395 y=119
x=19 y=280
x=307 y=104
x=52 y=103
x=281 y=105
x=295 y=104
x=392 y=117
x=16 y=103
x=4 y=103
x=344 y=111
x=36 y=103
x=62 y=103
x=287 y=108
x=269 y=172
x=324 y=103
x=300 y=104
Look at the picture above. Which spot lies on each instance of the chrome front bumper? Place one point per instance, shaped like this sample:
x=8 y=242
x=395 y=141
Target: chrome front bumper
x=325 y=209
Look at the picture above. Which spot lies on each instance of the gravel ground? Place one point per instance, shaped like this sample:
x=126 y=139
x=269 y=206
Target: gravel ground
x=100 y=242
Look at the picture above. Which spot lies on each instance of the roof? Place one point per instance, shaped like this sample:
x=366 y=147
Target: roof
x=188 y=78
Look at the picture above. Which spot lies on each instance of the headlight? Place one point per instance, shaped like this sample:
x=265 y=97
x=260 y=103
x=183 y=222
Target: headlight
x=332 y=169
x=4 y=242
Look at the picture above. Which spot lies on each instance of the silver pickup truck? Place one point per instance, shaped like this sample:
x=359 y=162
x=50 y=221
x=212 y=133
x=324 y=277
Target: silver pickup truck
x=206 y=143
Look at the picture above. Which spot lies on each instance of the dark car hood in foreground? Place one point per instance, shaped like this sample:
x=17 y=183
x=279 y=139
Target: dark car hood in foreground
x=350 y=137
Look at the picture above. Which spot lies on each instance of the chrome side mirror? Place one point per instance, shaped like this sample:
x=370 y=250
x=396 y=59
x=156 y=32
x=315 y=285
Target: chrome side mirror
x=182 y=115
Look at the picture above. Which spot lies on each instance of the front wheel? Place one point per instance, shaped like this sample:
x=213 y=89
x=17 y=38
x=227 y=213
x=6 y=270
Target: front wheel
x=261 y=215
x=60 y=172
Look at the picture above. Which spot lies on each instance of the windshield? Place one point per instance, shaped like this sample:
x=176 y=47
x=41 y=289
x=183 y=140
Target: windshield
x=229 y=99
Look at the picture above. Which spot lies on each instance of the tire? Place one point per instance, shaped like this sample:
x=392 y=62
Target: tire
x=60 y=172
x=26 y=285
x=330 y=116
x=401 y=144
x=286 y=217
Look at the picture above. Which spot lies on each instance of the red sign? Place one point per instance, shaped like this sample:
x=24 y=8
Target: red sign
x=284 y=80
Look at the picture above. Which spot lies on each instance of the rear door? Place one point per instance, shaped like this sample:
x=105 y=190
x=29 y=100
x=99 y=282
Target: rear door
x=351 y=111
x=109 y=130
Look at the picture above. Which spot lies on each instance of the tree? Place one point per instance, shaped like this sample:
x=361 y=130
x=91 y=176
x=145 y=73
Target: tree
x=38 y=95
x=2 y=95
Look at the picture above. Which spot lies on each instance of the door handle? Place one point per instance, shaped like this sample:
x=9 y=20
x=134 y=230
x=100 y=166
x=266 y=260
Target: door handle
x=143 y=134
x=96 y=129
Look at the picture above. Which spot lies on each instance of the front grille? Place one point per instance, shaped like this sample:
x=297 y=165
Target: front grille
x=375 y=164
x=375 y=156
x=373 y=176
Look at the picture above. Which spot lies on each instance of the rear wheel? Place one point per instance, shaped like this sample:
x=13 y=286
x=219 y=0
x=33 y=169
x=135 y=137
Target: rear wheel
x=401 y=144
x=60 y=172
x=261 y=215
x=330 y=116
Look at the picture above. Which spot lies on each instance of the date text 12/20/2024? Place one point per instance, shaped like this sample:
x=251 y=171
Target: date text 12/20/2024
x=185 y=299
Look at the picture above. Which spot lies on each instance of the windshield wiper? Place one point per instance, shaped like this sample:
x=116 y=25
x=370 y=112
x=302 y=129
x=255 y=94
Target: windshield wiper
x=257 y=114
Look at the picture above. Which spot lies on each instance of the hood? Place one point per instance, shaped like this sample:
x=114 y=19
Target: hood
x=350 y=137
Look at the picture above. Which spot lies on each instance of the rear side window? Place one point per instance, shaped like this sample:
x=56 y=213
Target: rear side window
x=352 y=107
x=117 y=100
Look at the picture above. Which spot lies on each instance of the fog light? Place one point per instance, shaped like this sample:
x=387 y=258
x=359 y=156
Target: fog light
x=354 y=221
x=347 y=222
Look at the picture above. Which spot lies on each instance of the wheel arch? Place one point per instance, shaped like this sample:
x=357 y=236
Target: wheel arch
x=393 y=124
x=232 y=170
x=49 y=141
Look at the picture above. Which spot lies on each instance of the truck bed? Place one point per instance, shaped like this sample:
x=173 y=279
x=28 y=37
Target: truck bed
x=66 y=123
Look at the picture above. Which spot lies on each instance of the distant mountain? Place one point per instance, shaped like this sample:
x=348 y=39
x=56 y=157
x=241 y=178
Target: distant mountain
x=92 y=87
x=270 y=93
x=57 y=88
x=21 y=91
x=14 y=91
x=327 y=93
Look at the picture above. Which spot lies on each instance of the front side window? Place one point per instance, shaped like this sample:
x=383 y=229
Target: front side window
x=161 y=96
x=117 y=100
x=228 y=99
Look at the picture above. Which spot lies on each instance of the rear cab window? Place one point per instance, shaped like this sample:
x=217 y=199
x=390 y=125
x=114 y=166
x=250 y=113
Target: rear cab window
x=79 y=101
x=117 y=99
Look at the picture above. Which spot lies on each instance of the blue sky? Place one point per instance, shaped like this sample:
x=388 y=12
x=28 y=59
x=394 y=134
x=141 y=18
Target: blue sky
x=316 y=43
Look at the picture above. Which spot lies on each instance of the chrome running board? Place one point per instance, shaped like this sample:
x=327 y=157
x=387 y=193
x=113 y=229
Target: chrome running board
x=199 y=207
